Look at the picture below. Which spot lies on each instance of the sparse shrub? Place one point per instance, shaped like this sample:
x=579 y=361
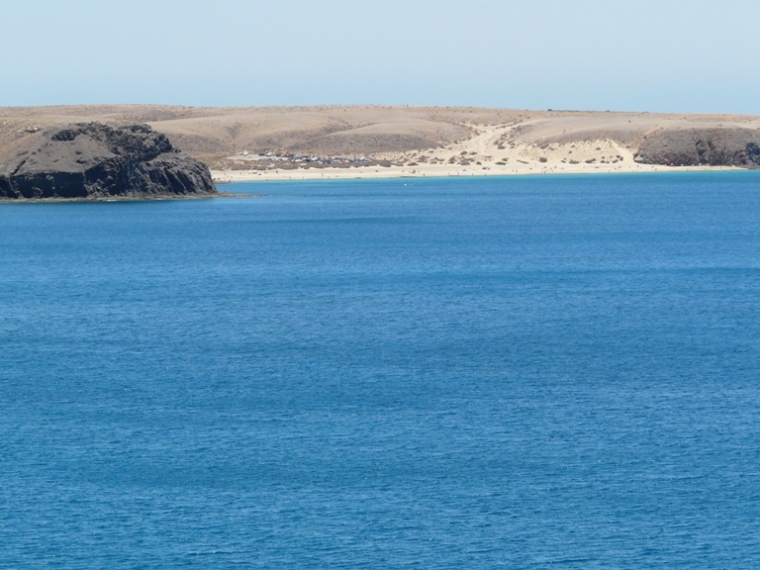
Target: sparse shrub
x=543 y=159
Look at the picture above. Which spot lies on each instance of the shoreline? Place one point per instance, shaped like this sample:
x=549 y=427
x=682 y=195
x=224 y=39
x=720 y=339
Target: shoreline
x=221 y=177
x=103 y=199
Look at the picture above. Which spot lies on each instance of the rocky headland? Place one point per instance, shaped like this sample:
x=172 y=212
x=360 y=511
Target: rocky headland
x=739 y=147
x=99 y=161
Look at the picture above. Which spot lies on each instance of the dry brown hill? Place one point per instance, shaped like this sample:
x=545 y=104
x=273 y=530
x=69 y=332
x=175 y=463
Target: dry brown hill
x=215 y=134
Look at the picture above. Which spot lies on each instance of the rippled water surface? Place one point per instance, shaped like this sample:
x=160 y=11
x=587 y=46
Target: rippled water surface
x=510 y=372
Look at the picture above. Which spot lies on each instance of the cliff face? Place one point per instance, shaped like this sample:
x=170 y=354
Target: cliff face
x=707 y=147
x=94 y=160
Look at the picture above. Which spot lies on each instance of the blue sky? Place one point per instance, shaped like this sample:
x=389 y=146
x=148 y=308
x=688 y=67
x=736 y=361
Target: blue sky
x=658 y=55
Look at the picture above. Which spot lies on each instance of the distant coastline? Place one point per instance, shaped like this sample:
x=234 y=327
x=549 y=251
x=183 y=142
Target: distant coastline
x=380 y=141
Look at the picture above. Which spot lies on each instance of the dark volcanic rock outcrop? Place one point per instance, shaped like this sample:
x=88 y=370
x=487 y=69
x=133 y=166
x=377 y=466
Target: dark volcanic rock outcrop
x=706 y=147
x=94 y=160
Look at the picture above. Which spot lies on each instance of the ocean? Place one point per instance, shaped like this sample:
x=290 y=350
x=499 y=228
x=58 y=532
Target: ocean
x=517 y=372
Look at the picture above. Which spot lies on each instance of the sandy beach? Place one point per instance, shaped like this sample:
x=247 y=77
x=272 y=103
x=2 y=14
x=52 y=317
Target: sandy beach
x=226 y=176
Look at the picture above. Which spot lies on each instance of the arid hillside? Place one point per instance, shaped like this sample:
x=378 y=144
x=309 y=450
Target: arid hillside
x=234 y=138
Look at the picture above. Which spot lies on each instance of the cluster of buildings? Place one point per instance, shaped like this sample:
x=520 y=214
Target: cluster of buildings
x=309 y=159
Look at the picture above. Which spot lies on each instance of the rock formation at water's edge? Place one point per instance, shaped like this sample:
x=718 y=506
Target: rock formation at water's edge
x=96 y=160
x=737 y=147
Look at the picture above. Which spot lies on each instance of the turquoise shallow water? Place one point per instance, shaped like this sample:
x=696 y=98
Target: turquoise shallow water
x=507 y=372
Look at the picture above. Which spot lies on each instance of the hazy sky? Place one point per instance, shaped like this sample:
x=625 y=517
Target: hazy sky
x=658 y=55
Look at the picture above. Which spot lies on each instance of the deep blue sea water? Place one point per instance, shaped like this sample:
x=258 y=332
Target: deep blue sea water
x=511 y=372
